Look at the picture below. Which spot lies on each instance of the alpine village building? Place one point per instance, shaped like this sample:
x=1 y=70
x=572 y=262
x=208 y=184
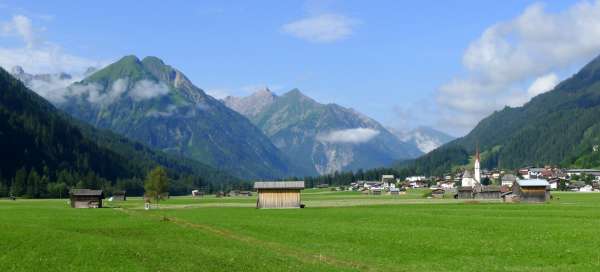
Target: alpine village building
x=86 y=198
x=278 y=194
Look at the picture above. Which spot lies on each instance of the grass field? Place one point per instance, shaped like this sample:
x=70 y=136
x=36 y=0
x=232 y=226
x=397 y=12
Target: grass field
x=338 y=231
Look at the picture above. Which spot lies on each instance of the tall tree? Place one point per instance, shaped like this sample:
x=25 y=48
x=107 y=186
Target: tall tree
x=20 y=182
x=156 y=183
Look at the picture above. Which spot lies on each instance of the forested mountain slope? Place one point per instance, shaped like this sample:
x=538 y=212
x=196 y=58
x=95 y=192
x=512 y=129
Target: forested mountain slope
x=559 y=127
x=45 y=152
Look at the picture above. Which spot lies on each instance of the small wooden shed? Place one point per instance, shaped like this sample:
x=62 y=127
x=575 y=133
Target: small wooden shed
x=532 y=190
x=464 y=192
x=488 y=192
x=278 y=194
x=438 y=193
x=119 y=196
x=86 y=198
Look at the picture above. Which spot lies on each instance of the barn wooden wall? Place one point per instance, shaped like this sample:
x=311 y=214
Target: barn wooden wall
x=278 y=198
x=534 y=194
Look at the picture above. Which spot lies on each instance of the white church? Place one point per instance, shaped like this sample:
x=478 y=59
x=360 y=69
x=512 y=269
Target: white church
x=471 y=179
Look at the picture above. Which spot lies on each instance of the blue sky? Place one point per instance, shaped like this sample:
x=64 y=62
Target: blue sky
x=400 y=62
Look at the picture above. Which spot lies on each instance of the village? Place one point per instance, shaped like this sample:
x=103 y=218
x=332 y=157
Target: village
x=527 y=185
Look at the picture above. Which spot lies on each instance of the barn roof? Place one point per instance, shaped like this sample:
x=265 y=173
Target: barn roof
x=533 y=182
x=86 y=192
x=490 y=188
x=279 y=185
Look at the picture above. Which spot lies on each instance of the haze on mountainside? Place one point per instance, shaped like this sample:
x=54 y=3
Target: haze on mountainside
x=322 y=137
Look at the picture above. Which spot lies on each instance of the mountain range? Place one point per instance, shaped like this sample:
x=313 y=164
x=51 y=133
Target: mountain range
x=154 y=103
x=262 y=136
x=323 y=138
x=45 y=151
x=424 y=138
x=559 y=127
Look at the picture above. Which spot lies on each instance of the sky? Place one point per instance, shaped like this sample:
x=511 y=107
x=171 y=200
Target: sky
x=442 y=64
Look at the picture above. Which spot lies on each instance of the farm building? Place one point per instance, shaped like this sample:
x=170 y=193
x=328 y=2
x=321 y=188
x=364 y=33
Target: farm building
x=278 y=194
x=438 y=193
x=245 y=193
x=509 y=197
x=508 y=180
x=376 y=190
x=119 y=196
x=532 y=190
x=464 y=192
x=487 y=192
x=388 y=181
x=197 y=193
x=86 y=198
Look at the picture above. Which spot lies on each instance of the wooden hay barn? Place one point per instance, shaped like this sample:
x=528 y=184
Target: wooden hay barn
x=119 y=196
x=532 y=190
x=86 y=198
x=438 y=193
x=278 y=194
x=488 y=192
x=464 y=192
x=245 y=193
x=197 y=193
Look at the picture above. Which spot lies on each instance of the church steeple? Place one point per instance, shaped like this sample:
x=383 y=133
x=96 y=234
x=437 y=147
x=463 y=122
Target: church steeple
x=477 y=172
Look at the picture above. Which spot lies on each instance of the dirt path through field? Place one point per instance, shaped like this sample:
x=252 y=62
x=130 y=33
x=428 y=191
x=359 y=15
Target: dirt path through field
x=301 y=255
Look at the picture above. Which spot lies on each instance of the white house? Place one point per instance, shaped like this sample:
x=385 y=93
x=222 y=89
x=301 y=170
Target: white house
x=508 y=179
x=554 y=184
x=388 y=181
x=586 y=188
x=415 y=178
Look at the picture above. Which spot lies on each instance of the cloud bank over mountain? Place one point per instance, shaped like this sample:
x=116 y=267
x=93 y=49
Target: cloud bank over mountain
x=515 y=60
x=349 y=136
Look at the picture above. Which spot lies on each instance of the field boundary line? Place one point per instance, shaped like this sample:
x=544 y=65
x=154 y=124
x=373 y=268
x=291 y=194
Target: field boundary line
x=298 y=254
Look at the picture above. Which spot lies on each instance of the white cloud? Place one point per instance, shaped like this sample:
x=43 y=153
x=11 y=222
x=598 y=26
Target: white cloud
x=542 y=84
x=508 y=55
x=324 y=28
x=146 y=89
x=37 y=55
x=352 y=136
x=52 y=88
x=20 y=26
x=97 y=94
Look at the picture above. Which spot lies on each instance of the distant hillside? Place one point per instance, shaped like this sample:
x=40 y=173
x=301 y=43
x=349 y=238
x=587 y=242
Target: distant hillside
x=560 y=127
x=156 y=104
x=323 y=138
x=425 y=139
x=44 y=152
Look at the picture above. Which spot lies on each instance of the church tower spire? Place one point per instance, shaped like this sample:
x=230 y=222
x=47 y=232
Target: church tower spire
x=477 y=172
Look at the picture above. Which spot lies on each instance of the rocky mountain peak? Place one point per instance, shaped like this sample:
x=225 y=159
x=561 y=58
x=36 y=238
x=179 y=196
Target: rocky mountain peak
x=252 y=104
x=17 y=70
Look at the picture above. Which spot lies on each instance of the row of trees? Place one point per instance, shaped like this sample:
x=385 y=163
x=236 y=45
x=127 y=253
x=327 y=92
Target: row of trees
x=32 y=183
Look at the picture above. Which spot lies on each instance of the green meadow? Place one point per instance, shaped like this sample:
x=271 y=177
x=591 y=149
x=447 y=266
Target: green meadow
x=338 y=231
